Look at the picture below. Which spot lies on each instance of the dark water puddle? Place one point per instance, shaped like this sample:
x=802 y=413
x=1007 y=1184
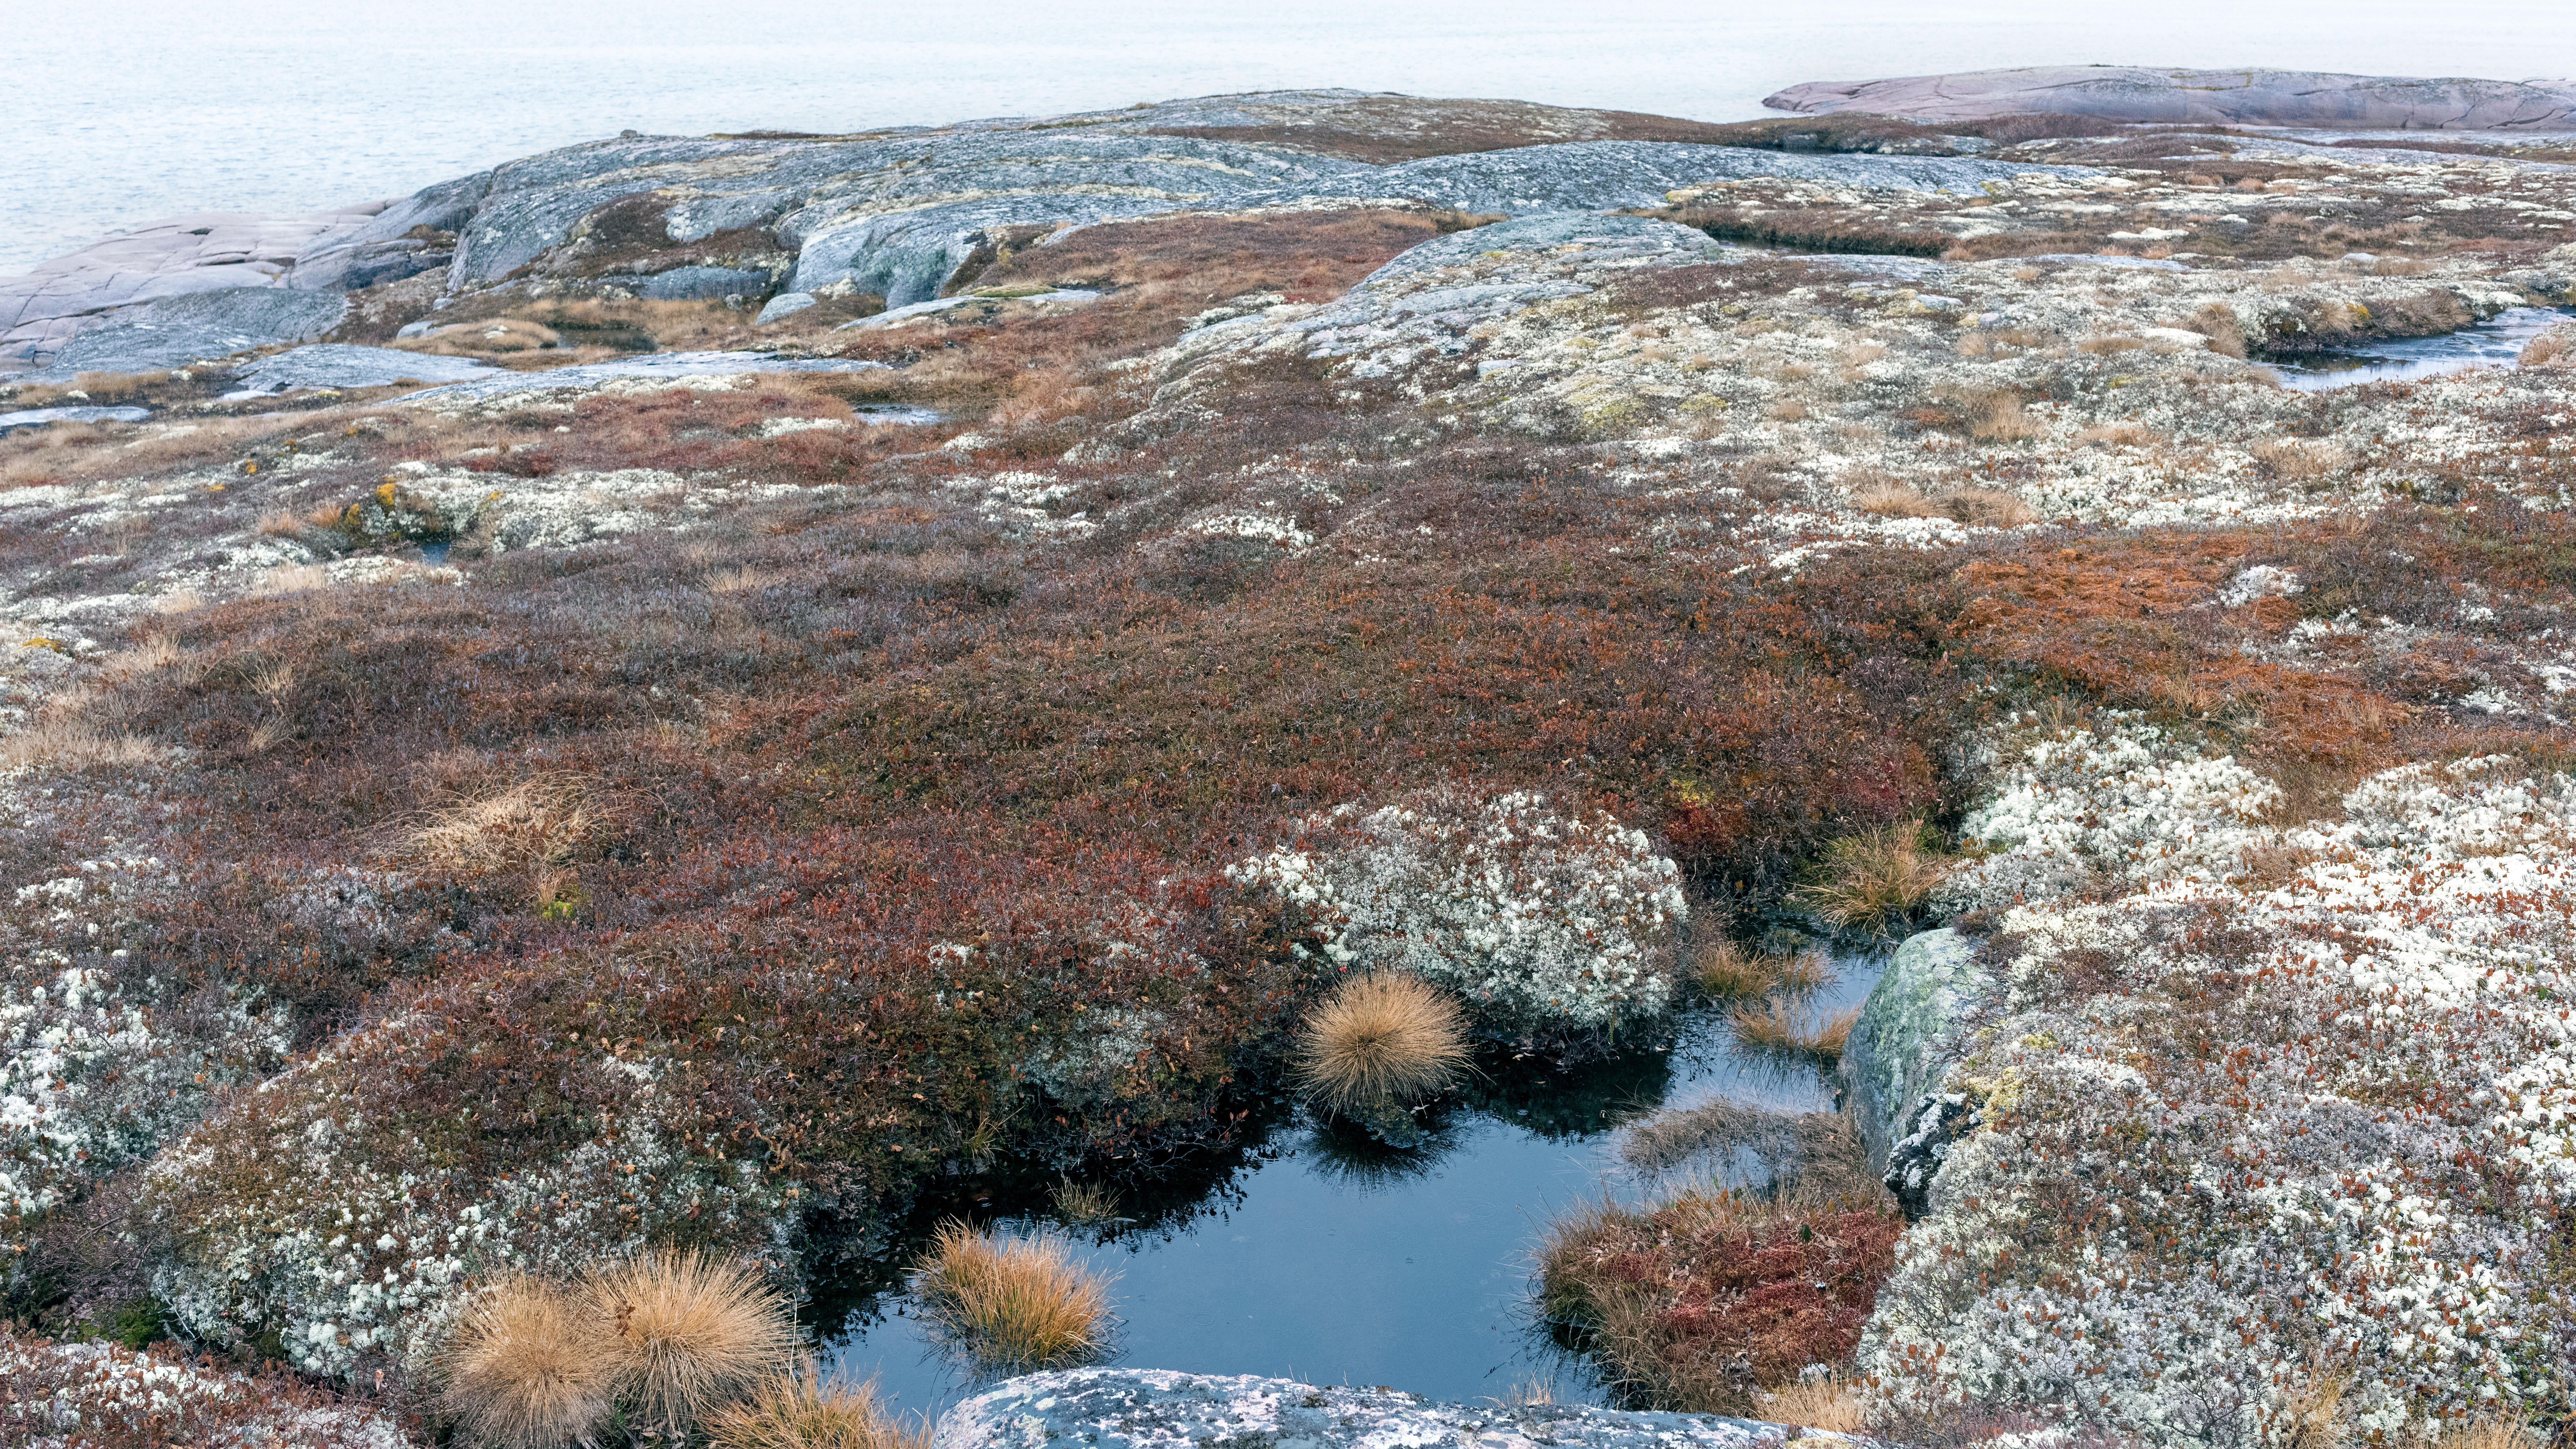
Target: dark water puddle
x=1318 y=1256
x=2495 y=342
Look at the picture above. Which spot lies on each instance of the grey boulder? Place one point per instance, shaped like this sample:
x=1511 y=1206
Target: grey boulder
x=785 y=304
x=1161 y=1409
x=1907 y=1036
x=198 y=327
x=2237 y=97
x=699 y=284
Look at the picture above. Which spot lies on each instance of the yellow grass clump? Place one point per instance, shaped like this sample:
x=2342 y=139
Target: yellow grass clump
x=1013 y=1304
x=523 y=1371
x=1780 y=1029
x=1872 y=881
x=800 y=1409
x=1728 y=971
x=683 y=1333
x=537 y=822
x=1830 y=1403
x=1385 y=1037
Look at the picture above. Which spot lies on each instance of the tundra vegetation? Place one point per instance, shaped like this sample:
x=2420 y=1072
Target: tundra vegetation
x=468 y=850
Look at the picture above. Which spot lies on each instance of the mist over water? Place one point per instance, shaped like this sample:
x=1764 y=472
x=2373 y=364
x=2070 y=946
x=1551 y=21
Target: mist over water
x=119 y=111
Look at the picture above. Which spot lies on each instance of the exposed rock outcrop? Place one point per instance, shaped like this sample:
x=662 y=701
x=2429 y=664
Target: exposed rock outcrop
x=899 y=214
x=1160 y=1409
x=2237 y=97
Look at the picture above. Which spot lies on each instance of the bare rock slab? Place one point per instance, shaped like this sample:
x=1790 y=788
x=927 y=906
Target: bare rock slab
x=2237 y=97
x=1161 y=1409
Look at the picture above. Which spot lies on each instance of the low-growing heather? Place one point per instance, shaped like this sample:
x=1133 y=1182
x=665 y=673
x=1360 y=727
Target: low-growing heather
x=1705 y=1302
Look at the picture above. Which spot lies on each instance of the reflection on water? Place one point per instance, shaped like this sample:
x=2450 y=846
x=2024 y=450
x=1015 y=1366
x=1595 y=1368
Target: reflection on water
x=1314 y=1252
x=2495 y=342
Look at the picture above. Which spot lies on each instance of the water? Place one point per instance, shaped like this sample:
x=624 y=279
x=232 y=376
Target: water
x=2495 y=342
x=119 y=111
x=1320 y=1258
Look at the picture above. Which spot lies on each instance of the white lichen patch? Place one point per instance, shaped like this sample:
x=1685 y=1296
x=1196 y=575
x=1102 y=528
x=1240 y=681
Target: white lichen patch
x=1545 y=919
x=2246 y=1122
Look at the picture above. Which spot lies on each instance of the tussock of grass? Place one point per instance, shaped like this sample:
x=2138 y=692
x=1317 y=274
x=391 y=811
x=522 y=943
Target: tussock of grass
x=1780 y=1029
x=1728 y=971
x=539 y=821
x=1013 y=1304
x=1085 y=1202
x=1830 y=1402
x=1387 y=1037
x=523 y=1370
x=684 y=1332
x=1873 y=881
x=800 y=1409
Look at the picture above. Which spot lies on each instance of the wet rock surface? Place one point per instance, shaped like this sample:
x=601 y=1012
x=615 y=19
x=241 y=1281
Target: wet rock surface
x=1154 y=1409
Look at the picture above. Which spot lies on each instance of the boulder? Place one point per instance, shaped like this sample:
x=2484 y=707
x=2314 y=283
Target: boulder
x=2227 y=97
x=1161 y=1409
x=697 y=284
x=1906 y=1038
x=784 y=305
x=201 y=326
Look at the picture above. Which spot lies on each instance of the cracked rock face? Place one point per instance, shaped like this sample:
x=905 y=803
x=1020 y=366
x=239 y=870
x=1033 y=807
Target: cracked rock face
x=1159 y=1409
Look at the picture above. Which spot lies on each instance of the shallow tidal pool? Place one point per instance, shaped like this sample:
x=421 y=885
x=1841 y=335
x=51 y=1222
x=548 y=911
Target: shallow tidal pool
x=1322 y=1257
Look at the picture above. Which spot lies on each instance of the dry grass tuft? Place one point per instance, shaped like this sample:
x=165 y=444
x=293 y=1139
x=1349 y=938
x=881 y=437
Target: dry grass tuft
x=1380 y=1038
x=1985 y=508
x=1013 y=1304
x=1872 y=881
x=1893 y=500
x=1728 y=971
x=523 y=1370
x=1780 y=1029
x=538 y=822
x=1085 y=1202
x=799 y=1409
x=686 y=1332
x=1830 y=1402
x=2301 y=458
x=2553 y=348
x=75 y=745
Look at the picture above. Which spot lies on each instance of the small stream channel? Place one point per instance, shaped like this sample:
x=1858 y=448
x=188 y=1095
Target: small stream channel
x=2495 y=342
x=1323 y=1257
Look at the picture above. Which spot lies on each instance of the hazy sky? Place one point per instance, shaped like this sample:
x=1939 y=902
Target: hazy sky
x=119 y=110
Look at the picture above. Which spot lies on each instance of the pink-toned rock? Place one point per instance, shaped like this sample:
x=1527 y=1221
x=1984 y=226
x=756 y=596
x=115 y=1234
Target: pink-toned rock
x=42 y=308
x=2237 y=97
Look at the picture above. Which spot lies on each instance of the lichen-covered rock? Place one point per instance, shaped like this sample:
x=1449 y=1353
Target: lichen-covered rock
x=1905 y=1038
x=2241 y=97
x=1160 y=1409
x=1557 y=925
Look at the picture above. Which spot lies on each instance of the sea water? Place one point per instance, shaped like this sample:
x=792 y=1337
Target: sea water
x=119 y=111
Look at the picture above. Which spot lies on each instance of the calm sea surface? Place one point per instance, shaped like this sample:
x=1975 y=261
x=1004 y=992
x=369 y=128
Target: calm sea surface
x=116 y=111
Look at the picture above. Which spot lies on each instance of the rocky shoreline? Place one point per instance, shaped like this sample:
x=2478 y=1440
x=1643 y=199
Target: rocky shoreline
x=722 y=690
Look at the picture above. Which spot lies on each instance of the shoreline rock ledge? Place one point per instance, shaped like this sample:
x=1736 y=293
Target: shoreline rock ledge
x=2228 y=97
x=1103 y=1408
